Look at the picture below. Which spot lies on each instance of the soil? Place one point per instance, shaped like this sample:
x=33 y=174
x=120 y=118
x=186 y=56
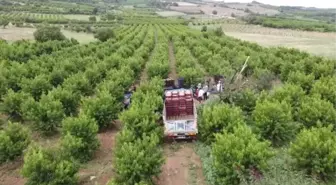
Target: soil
x=97 y=171
x=100 y=169
x=182 y=166
x=172 y=62
x=10 y=173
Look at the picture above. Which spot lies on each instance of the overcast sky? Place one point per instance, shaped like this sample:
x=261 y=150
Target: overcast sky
x=306 y=3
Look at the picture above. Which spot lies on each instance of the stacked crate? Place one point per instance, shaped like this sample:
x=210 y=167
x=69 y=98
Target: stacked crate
x=182 y=103
x=189 y=102
x=179 y=103
x=175 y=103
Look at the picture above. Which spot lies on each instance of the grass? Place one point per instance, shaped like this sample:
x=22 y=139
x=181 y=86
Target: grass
x=13 y=33
x=80 y=17
x=322 y=44
x=81 y=36
x=170 y=13
x=281 y=170
x=192 y=174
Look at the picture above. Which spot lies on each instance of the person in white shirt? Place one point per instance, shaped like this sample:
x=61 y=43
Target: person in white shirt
x=200 y=94
x=219 y=86
x=205 y=94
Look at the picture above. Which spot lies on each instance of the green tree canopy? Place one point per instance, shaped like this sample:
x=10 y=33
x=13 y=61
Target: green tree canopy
x=215 y=118
x=238 y=153
x=46 y=114
x=13 y=140
x=103 y=108
x=103 y=34
x=79 y=137
x=273 y=120
x=137 y=159
x=314 y=111
x=314 y=150
x=47 y=166
x=46 y=33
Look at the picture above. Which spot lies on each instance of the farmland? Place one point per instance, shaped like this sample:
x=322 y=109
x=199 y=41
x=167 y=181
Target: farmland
x=316 y=43
x=14 y=34
x=63 y=120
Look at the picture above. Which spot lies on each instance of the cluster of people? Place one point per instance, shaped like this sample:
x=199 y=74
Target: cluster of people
x=202 y=92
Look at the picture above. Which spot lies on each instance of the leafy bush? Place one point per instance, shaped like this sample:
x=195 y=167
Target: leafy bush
x=239 y=153
x=12 y=102
x=314 y=150
x=137 y=159
x=37 y=86
x=313 y=111
x=245 y=99
x=152 y=101
x=78 y=83
x=103 y=108
x=92 y=18
x=204 y=29
x=213 y=119
x=141 y=119
x=46 y=114
x=326 y=88
x=292 y=94
x=46 y=166
x=219 y=32
x=264 y=80
x=112 y=87
x=46 y=33
x=79 y=137
x=301 y=79
x=13 y=140
x=103 y=34
x=157 y=69
x=69 y=100
x=273 y=120
x=3 y=86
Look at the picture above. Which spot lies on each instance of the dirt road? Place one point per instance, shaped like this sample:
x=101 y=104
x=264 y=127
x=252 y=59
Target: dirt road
x=182 y=165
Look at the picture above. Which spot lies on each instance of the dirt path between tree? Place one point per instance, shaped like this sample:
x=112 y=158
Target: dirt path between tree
x=100 y=169
x=182 y=166
x=172 y=62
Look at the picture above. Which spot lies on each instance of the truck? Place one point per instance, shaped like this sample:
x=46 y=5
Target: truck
x=179 y=114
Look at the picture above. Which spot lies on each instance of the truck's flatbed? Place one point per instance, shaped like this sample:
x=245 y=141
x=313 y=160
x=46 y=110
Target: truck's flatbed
x=179 y=114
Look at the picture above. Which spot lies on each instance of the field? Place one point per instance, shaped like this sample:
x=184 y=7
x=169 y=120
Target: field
x=313 y=42
x=208 y=9
x=170 y=13
x=13 y=34
x=255 y=8
x=224 y=10
x=65 y=117
x=79 y=17
x=317 y=43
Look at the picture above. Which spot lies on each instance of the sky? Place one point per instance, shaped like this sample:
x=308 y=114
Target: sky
x=306 y=3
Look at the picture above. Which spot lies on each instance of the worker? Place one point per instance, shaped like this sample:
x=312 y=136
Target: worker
x=219 y=86
x=199 y=86
x=200 y=94
x=127 y=100
x=205 y=94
